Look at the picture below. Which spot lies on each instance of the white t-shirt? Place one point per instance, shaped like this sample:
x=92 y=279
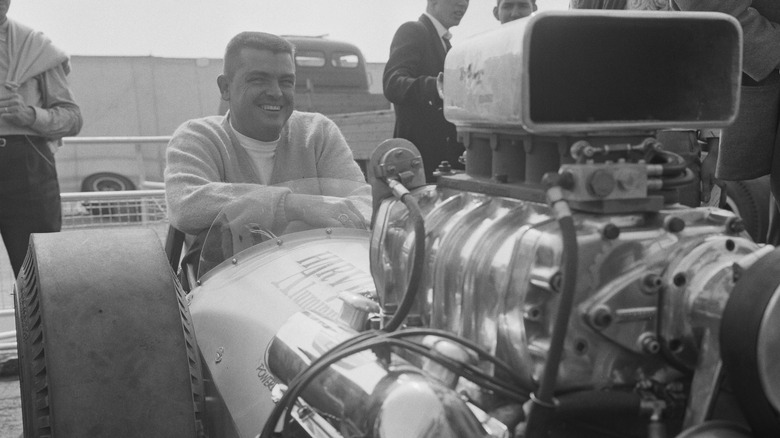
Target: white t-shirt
x=262 y=154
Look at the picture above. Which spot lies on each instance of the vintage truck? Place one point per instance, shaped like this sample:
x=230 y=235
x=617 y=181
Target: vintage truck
x=556 y=288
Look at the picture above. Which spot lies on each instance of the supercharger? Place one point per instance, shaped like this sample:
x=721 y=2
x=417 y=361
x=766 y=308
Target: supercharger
x=564 y=250
x=557 y=287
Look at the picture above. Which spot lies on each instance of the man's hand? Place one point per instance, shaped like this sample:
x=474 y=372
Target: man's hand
x=324 y=211
x=13 y=110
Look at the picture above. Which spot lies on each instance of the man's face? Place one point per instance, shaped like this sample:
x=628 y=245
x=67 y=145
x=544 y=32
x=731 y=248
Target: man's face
x=261 y=93
x=4 y=5
x=509 y=10
x=448 y=12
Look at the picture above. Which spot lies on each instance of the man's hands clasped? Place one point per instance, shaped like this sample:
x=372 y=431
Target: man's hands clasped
x=13 y=110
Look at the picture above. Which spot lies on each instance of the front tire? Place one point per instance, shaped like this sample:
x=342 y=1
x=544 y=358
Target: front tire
x=106 y=346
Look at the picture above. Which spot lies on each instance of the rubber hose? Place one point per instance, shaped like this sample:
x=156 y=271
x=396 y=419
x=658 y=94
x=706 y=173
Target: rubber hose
x=543 y=407
x=410 y=295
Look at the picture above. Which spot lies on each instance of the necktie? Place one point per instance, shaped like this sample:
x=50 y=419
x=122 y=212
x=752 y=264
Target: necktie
x=446 y=38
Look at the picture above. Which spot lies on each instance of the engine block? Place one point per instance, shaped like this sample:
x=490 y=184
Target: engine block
x=563 y=249
x=497 y=283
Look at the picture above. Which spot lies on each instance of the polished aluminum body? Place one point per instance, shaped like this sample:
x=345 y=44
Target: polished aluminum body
x=241 y=305
x=369 y=398
x=565 y=71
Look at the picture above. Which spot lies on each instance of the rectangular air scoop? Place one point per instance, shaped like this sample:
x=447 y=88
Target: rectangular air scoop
x=586 y=71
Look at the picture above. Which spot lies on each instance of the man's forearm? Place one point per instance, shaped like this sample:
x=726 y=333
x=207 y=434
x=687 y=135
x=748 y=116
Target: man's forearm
x=61 y=117
x=57 y=122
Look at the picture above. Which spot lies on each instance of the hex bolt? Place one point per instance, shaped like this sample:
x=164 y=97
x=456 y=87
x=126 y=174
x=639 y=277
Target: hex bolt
x=610 y=231
x=444 y=167
x=532 y=313
x=601 y=183
x=566 y=180
x=649 y=343
x=601 y=317
x=735 y=225
x=674 y=224
x=651 y=283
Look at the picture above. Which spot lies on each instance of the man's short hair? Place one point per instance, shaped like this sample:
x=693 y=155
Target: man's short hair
x=253 y=40
x=498 y=2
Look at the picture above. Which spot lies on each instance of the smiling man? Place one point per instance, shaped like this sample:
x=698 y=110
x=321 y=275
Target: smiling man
x=416 y=59
x=260 y=142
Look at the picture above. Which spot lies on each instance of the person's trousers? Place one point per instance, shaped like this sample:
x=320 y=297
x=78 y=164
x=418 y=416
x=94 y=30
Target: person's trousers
x=29 y=193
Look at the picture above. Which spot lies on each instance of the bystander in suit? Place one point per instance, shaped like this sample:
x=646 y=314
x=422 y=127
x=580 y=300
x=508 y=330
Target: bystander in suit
x=416 y=59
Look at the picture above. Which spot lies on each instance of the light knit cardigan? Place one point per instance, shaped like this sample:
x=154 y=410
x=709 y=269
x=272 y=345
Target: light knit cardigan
x=207 y=168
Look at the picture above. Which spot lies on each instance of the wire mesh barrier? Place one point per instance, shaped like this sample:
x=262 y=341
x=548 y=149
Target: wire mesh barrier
x=89 y=210
x=144 y=208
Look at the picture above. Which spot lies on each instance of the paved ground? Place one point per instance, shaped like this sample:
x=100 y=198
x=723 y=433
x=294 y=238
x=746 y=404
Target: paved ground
x=10 y=403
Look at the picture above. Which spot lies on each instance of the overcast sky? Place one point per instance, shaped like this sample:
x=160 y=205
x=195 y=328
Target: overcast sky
x=201 y=28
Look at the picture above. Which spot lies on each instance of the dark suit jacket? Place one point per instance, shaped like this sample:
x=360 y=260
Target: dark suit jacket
x=760 y=20
x=409 y=82
x=750 y=147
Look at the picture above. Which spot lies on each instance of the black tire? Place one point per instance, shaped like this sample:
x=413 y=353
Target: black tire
x=106 y=181
x=106 y=345
x=750 y=200
x=741 y=325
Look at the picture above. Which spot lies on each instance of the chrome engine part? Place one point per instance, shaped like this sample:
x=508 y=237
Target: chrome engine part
x=640 y=276
x=556 y=288
x=368 y=398
x=558 y=109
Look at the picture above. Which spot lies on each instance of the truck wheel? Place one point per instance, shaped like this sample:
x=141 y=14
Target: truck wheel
x=106 y=181
x=750 y=200
x=106 y=344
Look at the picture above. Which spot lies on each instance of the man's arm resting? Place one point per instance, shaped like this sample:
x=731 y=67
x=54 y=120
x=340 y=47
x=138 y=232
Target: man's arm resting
x=323 y=211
